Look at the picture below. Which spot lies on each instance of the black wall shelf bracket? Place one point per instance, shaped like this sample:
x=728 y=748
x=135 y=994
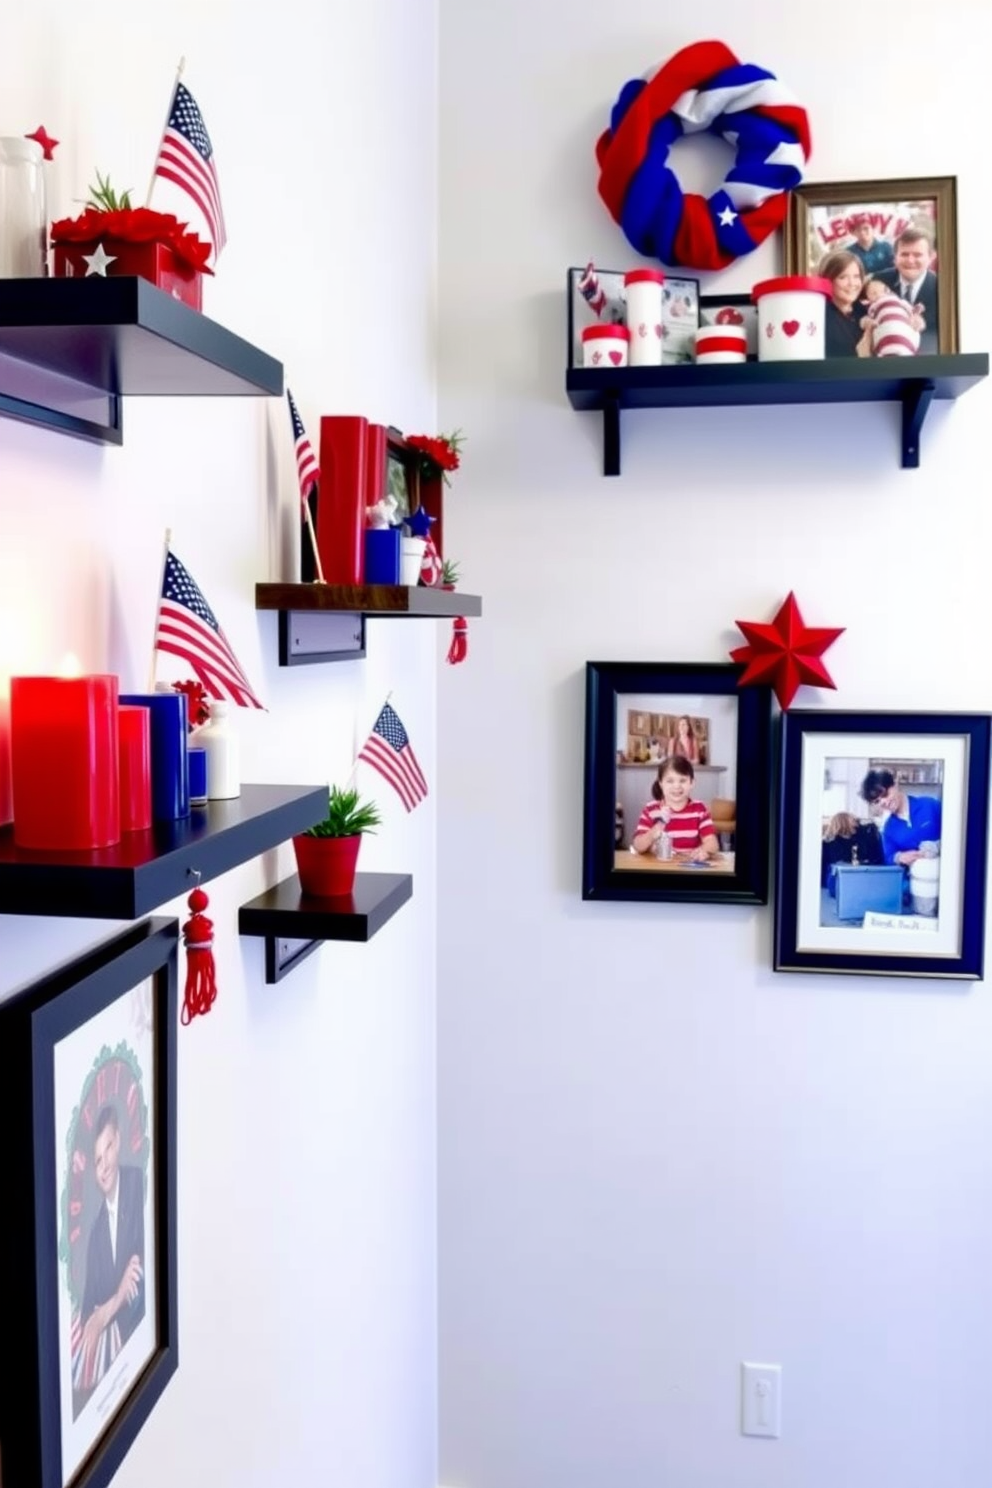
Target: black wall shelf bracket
x=916 y=400
x=310 y=636
x=611 y=434
x=282 y=955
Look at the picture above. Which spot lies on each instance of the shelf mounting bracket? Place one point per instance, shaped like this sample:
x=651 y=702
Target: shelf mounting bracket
x=282 y=955
x=611 y=434
x=916 y=399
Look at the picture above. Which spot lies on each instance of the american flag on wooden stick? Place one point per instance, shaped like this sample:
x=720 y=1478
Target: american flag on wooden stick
x=307 y=469
x=188 y=627
x=186 y=158
x=387 y=749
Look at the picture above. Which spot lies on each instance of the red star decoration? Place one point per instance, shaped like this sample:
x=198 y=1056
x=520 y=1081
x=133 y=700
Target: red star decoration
x=45 y=141
x=786 y=653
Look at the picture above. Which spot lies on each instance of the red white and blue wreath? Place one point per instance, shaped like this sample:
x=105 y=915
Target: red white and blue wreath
x=702 y=88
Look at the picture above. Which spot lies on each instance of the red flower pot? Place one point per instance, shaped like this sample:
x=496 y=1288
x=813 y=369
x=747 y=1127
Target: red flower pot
x=154 y=261
x=326 y=865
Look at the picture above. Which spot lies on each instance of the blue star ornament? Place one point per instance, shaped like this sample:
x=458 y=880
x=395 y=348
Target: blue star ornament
x=420 y=523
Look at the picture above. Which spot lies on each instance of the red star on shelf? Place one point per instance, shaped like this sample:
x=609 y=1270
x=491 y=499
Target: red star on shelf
x=785 y=653
x=45 y=141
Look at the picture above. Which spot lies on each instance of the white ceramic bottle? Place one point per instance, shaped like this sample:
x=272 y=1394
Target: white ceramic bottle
x=220 y=740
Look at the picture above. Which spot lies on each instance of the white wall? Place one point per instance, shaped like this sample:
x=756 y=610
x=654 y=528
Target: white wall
x=307 y=1130
x=648 y=1175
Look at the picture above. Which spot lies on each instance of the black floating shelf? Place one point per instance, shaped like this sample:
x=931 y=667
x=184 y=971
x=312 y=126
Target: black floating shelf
x=294 y=925
x=70 y=349
x=912 y=381
x=146 y=869
x=326 y=622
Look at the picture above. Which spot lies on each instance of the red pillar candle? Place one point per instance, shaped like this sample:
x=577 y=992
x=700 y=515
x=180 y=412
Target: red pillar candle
x=136 y=769
x=6 y=804
x=65 y=762
x=341 y=504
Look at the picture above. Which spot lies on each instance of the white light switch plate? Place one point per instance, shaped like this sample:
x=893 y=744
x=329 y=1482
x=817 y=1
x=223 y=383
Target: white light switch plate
x=761 y=1399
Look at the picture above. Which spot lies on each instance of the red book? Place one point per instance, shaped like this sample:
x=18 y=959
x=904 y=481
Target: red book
x=341 y=504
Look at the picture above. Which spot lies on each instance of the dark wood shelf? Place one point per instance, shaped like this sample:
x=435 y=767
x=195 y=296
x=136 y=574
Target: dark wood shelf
x=326 y=622
x=146 y=869
x=294 y=925
x=70 y=349
x=371 y=600
x=912 y=381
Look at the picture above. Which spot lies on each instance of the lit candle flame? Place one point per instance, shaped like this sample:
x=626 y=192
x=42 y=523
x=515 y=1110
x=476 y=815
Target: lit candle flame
x=70 y=666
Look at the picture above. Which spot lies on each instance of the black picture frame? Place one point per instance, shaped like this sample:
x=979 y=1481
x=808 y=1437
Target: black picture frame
x=894 y=909
x=70 y=1009
x=741 y=715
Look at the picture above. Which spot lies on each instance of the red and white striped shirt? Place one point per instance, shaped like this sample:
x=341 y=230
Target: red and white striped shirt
x=686 y=828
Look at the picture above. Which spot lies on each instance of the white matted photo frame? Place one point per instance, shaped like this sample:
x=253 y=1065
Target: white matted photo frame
x=899 y=234
x=88 y=1247
x=883 y=827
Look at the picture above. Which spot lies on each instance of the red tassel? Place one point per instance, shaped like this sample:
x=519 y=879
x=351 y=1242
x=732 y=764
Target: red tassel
x=201 y=979
x=458 y=650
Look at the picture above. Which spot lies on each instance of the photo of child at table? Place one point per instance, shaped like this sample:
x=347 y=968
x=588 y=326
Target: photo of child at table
x=673 y=811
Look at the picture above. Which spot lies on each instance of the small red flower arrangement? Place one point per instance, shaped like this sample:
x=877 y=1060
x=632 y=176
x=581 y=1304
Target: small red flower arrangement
x=438 y=453
x=135 y=240
x=197 y=707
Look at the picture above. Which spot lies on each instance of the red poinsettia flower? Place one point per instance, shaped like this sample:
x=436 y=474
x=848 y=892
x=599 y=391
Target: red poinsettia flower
x=441 y=452
x=197 y=707
x=135 y=225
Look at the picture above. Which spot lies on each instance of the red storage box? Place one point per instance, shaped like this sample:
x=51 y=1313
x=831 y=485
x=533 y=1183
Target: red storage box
x=154 y=261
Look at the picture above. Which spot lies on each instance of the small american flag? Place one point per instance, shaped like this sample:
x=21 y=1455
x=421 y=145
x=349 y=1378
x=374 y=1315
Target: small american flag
x=188 y=627
x=307 y=469
x=186 y=158
x=387 y=749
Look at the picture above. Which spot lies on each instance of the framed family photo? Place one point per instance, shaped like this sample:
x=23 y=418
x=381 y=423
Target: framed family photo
x=883 y=826
x=88 y=1248
x=677 y=783
x=880 y=238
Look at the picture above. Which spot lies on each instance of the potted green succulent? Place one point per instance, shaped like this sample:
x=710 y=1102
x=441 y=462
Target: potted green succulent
x=327 y=854
x=449 y=574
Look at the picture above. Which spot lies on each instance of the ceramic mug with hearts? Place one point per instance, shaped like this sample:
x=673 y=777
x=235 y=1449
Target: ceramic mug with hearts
x=791 y=318
x=643 y=292
x=605 y=346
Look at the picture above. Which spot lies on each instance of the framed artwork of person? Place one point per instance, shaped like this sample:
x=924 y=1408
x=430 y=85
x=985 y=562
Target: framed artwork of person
x=677 y=783
x=883 y=825
x=88 y=1244
x=874 y=239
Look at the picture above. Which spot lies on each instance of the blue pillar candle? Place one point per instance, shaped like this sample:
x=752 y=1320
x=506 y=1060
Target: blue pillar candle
x=170 y=766
x=197 y=775
x=382 y=555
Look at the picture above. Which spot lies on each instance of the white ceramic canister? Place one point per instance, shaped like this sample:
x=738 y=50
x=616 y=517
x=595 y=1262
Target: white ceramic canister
x=23 y=222
x=411 y=559
x=222 y=745
x=643 y=292
x=791 y=318
x=605 y=346
x=722 y=343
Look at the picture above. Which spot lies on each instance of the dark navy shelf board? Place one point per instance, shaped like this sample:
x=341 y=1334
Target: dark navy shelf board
x=912 y=381
x=294 y=925
x=146 y=869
